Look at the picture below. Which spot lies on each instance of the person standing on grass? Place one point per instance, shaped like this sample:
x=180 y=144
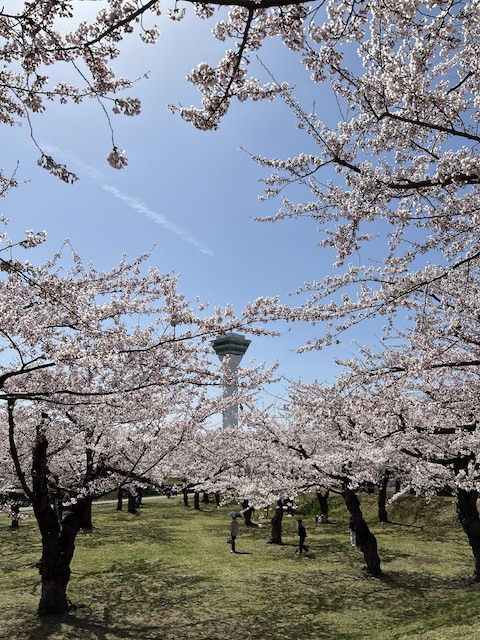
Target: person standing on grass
x=302 y=534
x=351 y=526
x=233 y=532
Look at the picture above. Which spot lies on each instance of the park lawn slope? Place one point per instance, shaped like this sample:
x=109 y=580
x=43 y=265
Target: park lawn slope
x=168 y=574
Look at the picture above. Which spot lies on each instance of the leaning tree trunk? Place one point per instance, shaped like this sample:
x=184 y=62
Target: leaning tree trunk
x=277 y=524
x=365 y=540
x=58 y=538
x=469 y=519
x=382 y=498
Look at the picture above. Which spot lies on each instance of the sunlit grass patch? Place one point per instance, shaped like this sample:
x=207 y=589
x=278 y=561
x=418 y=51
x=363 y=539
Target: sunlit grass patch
x=168 y=574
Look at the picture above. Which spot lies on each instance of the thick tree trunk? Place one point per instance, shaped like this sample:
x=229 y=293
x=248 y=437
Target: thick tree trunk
x=196 y=501
x=120 y=499
x=58 y=538
x=365 y=540
x=323 y=502
x=185 y=496
x=87 y=520
x=58 y=546
x=382 y=498
x=217 y=498
x=469 y=519
x=132 y=503
x=205 y=497
x=247 y=514
x=277 y=524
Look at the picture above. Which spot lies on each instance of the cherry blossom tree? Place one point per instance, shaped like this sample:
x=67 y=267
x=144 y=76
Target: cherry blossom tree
x=319 y=445
x=426 y=398
x=410 y=412
x=103 y=376
x=393 y=184
x=396 y=179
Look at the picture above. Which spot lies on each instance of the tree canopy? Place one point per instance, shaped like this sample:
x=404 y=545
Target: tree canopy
x=393 y=187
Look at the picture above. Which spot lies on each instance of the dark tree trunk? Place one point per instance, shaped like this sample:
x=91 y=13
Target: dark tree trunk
x=185 y=496
x=132 y=503
x=58 y=546
x=120 y=499
x=87 y=521
x=397 y=485
x=217 y=498
x=196 y=501
x=382 y=498
x=277 y=524
x=247 y=514
x=205 y=497
x=323 y=502
x=365 y=540
x=58 y=538
x=469 y=519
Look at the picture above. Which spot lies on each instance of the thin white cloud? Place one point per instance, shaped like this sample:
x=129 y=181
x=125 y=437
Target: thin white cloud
x=131 y=201
x=138 y=205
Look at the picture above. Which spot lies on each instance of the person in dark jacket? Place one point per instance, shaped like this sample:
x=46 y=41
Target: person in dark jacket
x=233 y=533
x=302 y=534
x=351 y=526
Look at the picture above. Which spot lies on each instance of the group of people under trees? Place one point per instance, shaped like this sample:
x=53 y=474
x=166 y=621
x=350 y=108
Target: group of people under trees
x=302 y=534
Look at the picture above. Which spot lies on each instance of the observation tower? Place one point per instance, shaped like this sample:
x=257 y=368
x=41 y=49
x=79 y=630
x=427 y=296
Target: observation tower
x=234 y=346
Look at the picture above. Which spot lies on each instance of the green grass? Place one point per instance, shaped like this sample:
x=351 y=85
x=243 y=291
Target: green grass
x=168 y=574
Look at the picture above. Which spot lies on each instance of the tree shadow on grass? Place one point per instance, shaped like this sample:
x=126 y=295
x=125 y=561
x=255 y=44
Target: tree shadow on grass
x=67 y=626
x=417 y=583
x=79 y=626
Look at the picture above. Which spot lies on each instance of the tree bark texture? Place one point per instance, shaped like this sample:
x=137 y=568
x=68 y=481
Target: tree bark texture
x=469 y=519
x=58 y=538
x=365 y=540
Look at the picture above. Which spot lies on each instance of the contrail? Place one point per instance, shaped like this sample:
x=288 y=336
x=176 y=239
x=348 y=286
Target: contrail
x=141 y=207
x=133 y=202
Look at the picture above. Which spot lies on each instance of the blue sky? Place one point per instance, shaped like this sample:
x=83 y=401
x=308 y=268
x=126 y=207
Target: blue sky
x=191 y=194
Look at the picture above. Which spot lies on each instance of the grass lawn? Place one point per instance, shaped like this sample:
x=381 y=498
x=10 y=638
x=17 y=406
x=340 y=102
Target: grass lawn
x=168 y=574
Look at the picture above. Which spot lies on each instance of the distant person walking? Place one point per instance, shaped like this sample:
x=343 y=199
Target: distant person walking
x=302 y=534
x=233 y=532
x=353 y=537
